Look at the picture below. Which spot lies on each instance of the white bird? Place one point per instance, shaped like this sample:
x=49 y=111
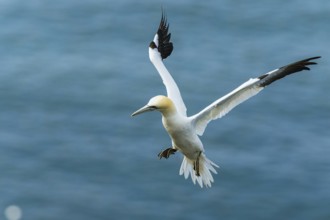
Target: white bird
x=185 y=131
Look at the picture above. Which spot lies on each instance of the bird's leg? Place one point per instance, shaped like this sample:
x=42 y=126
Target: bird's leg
x=166 y=153
x=196 y=164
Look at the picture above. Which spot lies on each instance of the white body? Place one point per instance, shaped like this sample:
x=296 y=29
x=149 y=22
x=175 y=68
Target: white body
x=185 y=131
x=184 y=137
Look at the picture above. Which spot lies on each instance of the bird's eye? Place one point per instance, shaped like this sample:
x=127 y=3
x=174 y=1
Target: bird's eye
x=153 y=107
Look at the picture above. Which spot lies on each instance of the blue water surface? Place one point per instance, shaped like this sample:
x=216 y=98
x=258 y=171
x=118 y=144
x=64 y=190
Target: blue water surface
x=72 y=72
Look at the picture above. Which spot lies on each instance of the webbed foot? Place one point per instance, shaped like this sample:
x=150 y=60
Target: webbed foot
x=166 y=153
x=196 y=165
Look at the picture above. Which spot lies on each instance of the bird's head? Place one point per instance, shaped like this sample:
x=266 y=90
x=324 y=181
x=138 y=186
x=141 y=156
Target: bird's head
x=160 y=103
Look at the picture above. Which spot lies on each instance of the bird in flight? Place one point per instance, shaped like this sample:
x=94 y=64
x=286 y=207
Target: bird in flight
x=184 y=130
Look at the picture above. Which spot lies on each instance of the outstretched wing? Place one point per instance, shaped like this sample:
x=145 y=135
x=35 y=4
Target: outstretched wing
x=245 y=91
x=160 y=48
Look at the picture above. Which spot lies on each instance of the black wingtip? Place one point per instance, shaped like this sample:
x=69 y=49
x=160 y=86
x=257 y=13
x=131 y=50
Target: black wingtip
x=165 y=47
x=298 y=66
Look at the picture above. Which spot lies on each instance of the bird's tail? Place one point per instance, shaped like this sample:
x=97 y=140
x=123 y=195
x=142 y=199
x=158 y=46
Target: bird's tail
x=206 y=168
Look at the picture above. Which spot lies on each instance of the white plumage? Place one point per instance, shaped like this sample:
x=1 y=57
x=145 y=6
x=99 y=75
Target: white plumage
x=185 y=131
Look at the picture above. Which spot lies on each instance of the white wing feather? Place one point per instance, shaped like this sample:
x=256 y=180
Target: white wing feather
x=172 y=89
x=245 y=91
x=223 y=105
x=161 y=47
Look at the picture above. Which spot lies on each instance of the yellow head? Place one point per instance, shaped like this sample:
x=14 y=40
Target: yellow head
x=160 y=103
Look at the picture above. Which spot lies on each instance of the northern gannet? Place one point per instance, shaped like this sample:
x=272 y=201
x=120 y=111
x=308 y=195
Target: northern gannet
x=184 y=131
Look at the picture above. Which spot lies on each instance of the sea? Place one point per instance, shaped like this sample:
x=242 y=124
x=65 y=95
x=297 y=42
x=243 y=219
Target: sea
x=73 y=72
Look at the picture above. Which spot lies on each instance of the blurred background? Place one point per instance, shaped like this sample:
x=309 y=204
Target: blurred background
x=72 y=72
